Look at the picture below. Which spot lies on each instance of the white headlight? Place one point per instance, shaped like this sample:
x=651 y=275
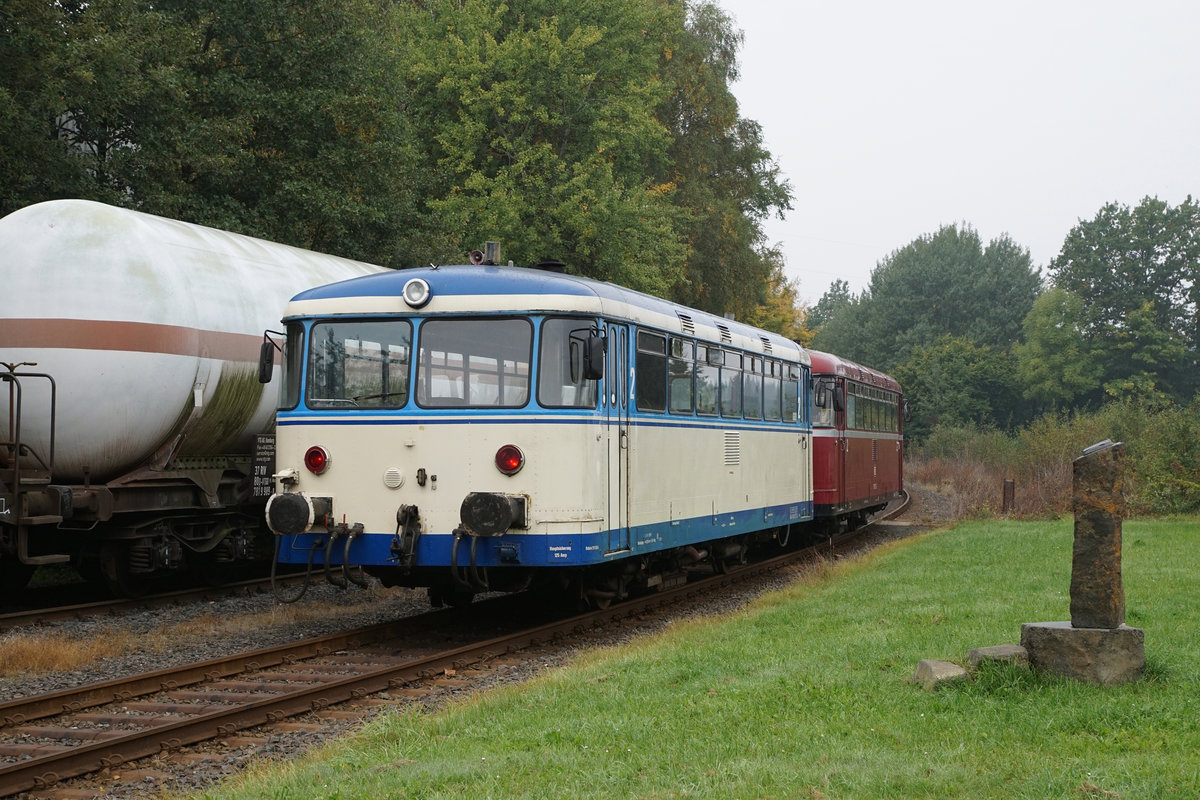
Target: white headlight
x=417 y=292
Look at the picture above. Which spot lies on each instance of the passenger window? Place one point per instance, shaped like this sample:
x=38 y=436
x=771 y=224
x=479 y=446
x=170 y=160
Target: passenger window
x=752 y=388
x=707 y=380
x=651 y=365
x=772 y=409
x=680 y=367
x=791 y=397
x=731 y=385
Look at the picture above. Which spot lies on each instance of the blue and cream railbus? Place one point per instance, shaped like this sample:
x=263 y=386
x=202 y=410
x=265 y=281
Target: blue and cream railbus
x=473 y=428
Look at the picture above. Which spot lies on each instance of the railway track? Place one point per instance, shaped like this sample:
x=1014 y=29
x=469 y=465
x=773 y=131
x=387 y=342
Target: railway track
x=97 y=608
x=49 y=738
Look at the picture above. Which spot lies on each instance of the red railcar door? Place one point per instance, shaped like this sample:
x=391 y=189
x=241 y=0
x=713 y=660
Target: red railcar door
x=842 y=445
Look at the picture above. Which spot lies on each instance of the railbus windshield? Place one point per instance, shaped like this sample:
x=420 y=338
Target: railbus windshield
x=361 y=363
x=480 y=363
x=447 y=362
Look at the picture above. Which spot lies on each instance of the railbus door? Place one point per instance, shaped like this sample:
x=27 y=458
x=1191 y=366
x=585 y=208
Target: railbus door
x=843 y=422
x=616 y=400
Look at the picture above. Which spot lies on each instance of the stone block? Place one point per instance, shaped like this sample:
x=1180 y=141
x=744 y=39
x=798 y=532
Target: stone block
x=1011 y=653
x=1106 y=656
x=933 y=674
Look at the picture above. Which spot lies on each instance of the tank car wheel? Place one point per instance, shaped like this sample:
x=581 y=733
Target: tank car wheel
x=114 y=570
x=88 y=567
x=14 y=576
x=205 y=570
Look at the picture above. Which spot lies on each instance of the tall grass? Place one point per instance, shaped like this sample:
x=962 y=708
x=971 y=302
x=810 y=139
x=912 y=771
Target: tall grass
x=1162 y=465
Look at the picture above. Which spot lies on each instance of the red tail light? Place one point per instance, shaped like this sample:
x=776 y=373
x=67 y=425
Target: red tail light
x=316 y=459
x=510 y=459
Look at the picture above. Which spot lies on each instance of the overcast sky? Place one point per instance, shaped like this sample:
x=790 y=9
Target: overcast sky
x=891 y=119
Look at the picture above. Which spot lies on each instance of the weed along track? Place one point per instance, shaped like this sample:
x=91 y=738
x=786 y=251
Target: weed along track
x=47 y=739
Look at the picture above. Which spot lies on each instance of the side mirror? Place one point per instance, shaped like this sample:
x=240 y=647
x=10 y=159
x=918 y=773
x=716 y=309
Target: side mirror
x=821 y=395
x=593 y=357
x=587 y=355
x=266 y=359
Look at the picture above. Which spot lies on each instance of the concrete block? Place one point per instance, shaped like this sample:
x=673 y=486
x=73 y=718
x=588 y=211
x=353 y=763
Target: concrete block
x=934 y=674
x=1012 y=653
x=1106 y=656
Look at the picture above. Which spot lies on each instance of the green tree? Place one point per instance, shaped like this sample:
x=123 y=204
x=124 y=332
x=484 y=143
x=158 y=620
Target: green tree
x=281 y=121
x=604 y=135
x=947 y=283
x=835 y=301
x=541 y=122
x=782 y=310
x=68 y=91
x=1137 y=272
x=293 y=126
x=956 y=382
x=1058 y=365
x=725 y=179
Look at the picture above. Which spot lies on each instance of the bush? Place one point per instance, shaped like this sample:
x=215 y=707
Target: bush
x=1162 y=463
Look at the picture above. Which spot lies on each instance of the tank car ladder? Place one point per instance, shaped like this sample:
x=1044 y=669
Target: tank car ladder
x=24 y=474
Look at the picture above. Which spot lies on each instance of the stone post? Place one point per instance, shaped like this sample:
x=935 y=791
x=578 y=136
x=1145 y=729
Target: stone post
x=1095 y=645
x=1098 y=500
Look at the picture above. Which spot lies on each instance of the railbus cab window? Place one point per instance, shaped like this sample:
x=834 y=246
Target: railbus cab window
x=293 y=366
x=824 y=402
x=359 y=364
x=561 y=382
x=479 y=363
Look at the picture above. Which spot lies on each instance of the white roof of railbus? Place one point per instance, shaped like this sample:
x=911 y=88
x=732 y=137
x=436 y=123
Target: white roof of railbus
x=468 y=289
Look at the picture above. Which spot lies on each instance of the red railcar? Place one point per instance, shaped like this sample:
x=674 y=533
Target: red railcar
x=858 y=439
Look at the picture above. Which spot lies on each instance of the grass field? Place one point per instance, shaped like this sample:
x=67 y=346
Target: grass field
x=806 y=694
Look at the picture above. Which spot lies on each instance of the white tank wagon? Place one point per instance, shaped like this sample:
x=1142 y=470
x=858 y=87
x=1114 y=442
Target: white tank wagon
x=129 y=346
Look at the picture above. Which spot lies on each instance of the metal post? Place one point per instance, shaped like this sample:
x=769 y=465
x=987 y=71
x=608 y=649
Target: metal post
x=1010 y=496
